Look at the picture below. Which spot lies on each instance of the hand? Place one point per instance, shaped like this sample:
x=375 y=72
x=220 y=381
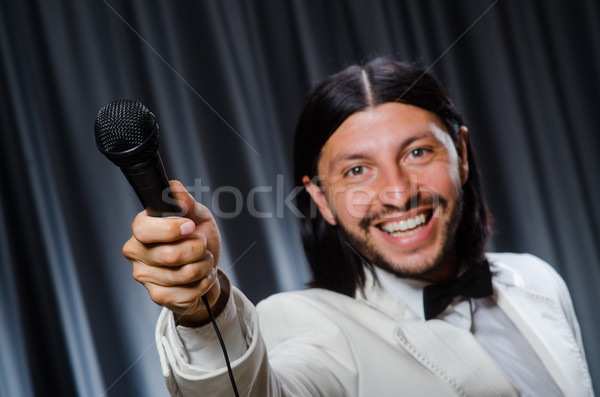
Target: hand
x=176 y=258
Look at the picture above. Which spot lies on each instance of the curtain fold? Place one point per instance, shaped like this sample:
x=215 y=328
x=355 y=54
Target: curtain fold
x=226 y=80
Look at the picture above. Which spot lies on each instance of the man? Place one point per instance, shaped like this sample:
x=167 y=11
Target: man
x=399 y=221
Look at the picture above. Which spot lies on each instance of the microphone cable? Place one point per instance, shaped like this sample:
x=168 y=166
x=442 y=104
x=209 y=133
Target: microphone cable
x=214 y=323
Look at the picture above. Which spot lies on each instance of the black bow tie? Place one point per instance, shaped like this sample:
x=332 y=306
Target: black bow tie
x=476 y=282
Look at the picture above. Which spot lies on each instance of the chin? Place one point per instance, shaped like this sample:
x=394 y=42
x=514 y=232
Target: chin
x=411 y=267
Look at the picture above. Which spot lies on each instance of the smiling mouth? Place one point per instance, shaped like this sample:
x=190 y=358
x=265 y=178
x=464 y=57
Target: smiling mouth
x=406 y=227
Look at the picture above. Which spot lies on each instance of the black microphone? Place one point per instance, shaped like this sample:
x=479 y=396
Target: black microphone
x=127 y=134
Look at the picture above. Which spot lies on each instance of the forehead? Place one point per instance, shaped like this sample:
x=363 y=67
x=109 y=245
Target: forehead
x=382 y=127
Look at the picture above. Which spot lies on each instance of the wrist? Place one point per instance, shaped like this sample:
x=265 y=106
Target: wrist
x=201 y=317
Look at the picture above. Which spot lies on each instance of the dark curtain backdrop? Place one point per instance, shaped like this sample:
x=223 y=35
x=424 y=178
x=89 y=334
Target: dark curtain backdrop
x=227 y=80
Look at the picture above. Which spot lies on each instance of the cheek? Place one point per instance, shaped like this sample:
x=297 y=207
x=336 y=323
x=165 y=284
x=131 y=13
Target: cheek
x=443 y=181
x=352 y=204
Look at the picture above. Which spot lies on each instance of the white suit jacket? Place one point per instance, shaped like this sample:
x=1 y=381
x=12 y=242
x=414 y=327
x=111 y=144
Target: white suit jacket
x=321 y=343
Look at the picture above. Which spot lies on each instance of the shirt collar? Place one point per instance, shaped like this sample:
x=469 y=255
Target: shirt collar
x=401 y=297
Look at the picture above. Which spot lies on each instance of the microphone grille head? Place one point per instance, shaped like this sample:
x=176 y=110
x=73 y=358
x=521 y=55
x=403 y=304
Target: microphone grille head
x=126 y=132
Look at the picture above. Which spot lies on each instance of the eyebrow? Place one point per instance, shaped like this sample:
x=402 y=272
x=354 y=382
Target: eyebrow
x=345 y=156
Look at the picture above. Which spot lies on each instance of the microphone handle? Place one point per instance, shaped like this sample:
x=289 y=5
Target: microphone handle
x=150 y=183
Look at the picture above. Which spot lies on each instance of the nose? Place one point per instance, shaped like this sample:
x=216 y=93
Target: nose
x=397 y=187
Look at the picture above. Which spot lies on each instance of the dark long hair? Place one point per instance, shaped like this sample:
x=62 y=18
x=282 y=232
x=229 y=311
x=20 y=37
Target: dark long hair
x=334 y=264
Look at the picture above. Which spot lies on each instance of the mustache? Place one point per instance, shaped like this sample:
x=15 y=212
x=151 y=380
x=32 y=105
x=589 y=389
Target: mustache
x=418 y=200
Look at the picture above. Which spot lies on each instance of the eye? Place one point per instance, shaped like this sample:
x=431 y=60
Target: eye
x=356 y=170
x=417 y=153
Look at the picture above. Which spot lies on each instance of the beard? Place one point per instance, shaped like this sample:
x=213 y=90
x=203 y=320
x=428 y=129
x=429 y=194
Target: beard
x=362 y=244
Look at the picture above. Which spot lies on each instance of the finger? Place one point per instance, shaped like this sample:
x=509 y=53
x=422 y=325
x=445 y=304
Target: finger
x=173 y=276
x=181 y=298
x=147 y=229
x=178 y=253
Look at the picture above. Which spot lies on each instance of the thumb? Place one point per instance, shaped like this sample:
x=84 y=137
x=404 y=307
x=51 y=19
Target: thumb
x=189 y=207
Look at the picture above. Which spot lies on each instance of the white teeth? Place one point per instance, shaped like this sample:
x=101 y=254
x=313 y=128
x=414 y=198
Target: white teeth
x=394 y=228
x=408 y=233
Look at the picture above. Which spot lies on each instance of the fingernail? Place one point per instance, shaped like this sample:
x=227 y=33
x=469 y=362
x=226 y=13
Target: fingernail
x=212 y=274
x=187 y=227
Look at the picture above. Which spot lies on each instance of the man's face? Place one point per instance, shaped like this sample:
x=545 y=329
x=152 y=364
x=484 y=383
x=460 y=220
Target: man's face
x=392 y=181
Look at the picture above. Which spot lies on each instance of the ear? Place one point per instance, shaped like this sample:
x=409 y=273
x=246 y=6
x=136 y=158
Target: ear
x=318 y=196
x=463 y=153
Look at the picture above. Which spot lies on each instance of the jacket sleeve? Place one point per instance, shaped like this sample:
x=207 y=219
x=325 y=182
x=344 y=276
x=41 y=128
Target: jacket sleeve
x=299 y=361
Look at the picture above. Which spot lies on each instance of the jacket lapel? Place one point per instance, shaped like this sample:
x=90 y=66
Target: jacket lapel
x=455 y=356
x=542 y=322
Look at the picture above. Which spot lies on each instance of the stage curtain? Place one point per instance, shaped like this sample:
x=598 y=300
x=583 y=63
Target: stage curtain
x=226 y=80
